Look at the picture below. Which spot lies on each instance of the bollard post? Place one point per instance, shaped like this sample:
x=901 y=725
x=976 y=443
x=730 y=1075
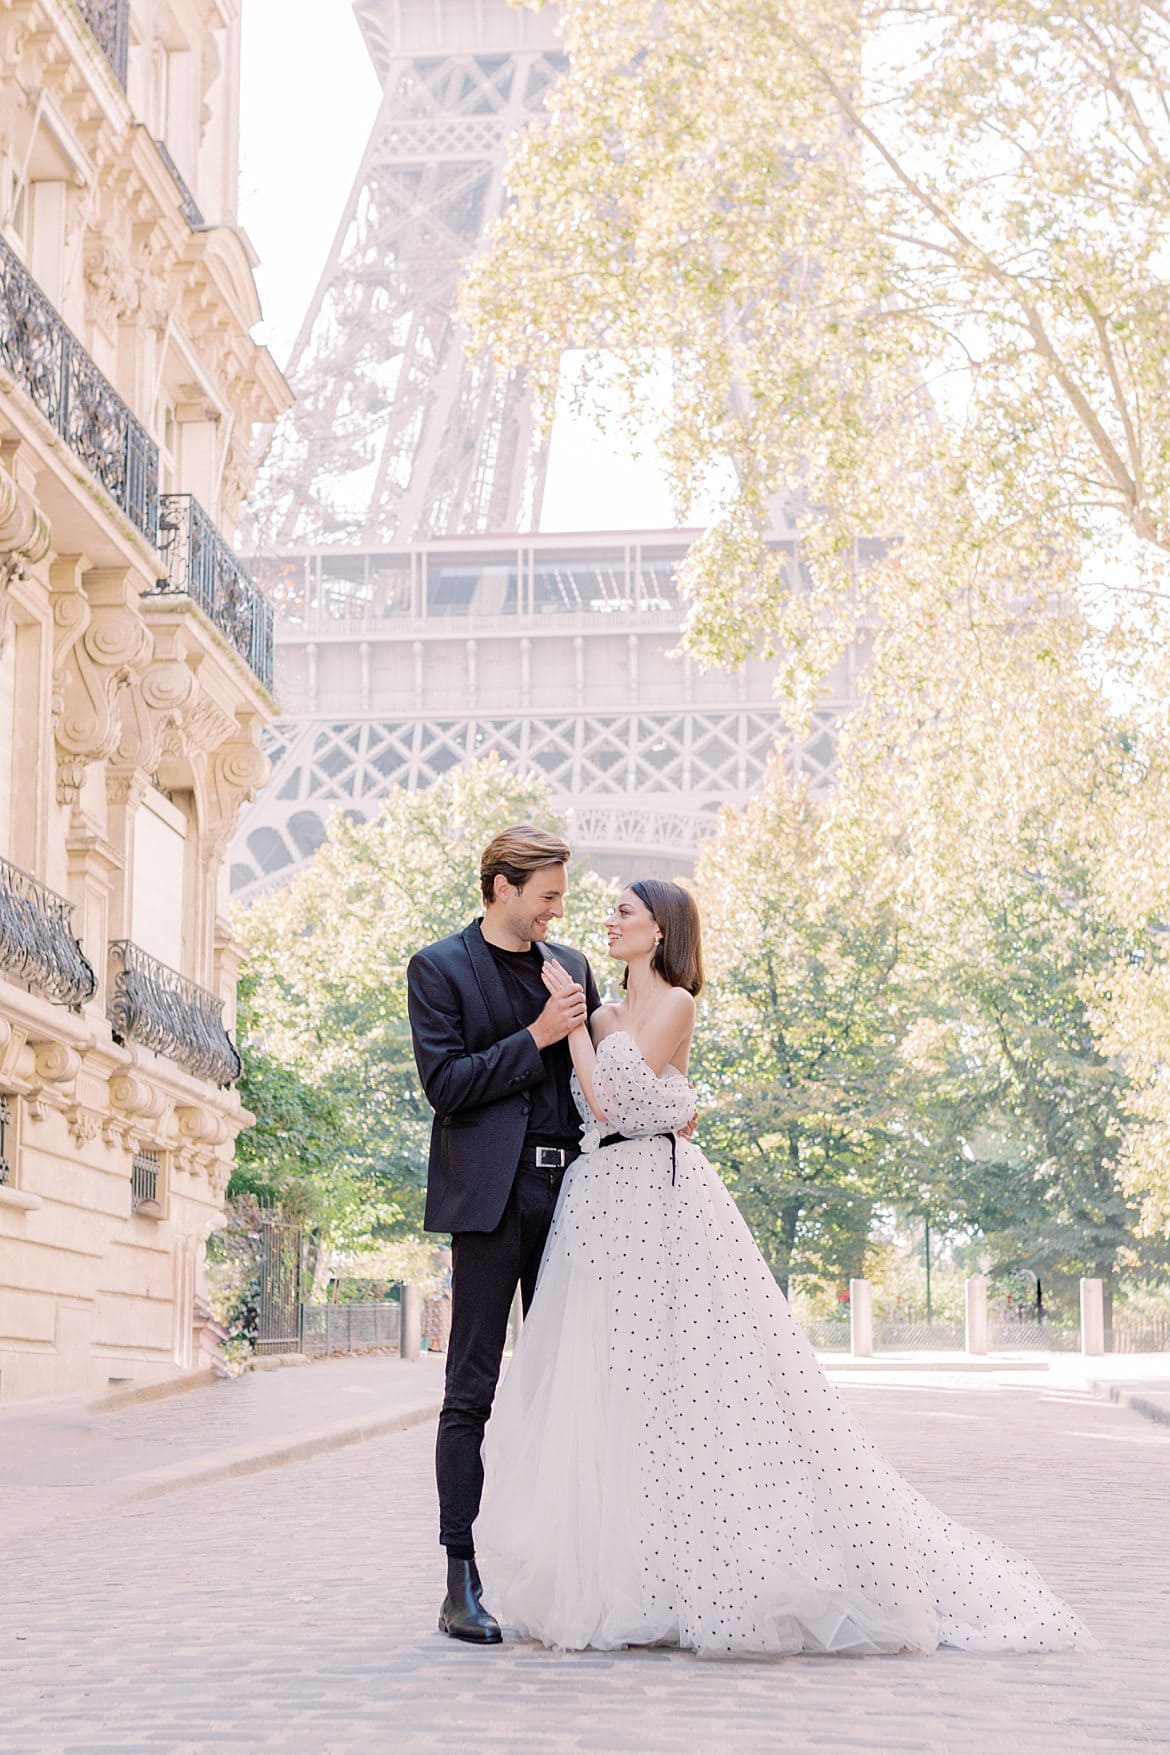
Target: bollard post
x=861 y=1319
x=1092 y=1318
x=976 y=1333
x=410 y=1318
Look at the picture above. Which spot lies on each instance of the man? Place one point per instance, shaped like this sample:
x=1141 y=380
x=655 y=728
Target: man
x=492 y=1055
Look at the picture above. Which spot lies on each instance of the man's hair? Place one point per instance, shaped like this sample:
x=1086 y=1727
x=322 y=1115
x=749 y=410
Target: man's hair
x=516 y=853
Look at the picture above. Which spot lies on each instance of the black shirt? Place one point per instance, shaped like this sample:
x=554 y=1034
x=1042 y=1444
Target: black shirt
x=553 y=1119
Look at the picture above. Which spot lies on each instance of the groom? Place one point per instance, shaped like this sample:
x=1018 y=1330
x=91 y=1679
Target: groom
x=492 y=1055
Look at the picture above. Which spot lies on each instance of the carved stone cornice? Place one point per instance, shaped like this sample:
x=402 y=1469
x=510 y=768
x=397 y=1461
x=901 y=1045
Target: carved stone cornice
x=100 y=642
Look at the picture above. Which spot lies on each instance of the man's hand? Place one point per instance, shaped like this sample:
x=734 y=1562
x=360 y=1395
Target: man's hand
x=565 y=1009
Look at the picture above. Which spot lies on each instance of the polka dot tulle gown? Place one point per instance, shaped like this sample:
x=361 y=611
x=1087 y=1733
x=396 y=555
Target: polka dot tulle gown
x=667 y=1463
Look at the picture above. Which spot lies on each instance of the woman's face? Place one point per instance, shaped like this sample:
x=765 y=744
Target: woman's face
x=630 y=928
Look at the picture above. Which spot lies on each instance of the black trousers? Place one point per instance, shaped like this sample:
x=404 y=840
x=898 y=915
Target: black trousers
x=486 y=1267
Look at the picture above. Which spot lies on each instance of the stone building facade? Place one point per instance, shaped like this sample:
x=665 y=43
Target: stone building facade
x=135 y=674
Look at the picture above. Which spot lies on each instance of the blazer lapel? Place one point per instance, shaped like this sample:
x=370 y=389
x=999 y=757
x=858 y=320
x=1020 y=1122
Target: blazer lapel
x=490 y=982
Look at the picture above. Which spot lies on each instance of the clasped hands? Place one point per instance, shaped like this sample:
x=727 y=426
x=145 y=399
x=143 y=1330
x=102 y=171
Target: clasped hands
x=565 y=1009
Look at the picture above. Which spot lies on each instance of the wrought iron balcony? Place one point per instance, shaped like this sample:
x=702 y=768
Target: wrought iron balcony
x=109 y=21
x=200 y=565
x=150 y=1003
x=79 y=402
x=36 y=939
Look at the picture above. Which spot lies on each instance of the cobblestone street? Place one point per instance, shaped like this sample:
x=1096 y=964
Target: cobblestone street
x=295 y=1610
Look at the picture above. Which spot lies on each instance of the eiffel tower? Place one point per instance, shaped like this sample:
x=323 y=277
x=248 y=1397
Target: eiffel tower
x=421 y=619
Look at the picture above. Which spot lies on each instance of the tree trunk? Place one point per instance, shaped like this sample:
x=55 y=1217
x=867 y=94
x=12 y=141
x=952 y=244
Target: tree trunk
x=789 y=1220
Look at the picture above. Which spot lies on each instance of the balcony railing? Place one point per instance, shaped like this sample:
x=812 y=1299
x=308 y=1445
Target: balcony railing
x=109 y=21
x=155 y=1005
x=201 y=566
x=79 y=402
x=36 y=939
x=189 y=207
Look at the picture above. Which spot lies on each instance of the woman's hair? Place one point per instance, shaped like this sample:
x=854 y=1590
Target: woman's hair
x=679 y=957
x=516 y=853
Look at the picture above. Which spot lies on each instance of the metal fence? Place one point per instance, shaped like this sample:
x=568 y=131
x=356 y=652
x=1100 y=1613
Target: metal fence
x=1032 y=1337
x=340 y=1328
x=1133 y=1337
x=278 y=1325
x=830 y=1334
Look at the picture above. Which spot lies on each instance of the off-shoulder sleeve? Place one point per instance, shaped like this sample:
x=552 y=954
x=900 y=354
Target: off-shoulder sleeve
x=635 y=1101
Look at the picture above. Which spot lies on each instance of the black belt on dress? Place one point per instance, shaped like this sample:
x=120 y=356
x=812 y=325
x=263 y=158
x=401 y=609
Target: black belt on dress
x=616 y=1139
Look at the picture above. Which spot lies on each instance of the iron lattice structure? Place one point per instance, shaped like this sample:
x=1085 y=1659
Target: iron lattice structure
x=418 y=627
x=398 y=433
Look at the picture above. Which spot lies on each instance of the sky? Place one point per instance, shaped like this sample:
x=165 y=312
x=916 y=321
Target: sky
x=308 y=100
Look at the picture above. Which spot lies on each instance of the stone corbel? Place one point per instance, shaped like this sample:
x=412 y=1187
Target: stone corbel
x=199 y=1125
x=238 y=770
x=140 y=1113
x=25 y=539
x=101 y=641
x=111 y=287
x=153 y=703
x=12 y=1041
x=55 y=1066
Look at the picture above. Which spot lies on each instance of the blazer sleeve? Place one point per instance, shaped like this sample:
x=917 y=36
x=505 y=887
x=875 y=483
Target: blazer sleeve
x=453 y=1078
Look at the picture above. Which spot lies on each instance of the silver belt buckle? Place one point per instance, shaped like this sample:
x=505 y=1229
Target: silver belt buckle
x=550 y=1157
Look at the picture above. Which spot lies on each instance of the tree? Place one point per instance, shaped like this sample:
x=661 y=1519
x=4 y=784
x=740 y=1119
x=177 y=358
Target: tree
x=326 y=988
x=908 y=265
x=803 y=1089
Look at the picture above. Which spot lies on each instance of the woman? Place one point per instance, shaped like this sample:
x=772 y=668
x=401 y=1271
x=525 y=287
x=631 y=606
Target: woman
x=666 y=1462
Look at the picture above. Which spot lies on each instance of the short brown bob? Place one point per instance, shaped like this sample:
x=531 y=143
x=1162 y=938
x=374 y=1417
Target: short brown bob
x=679 y=957
x=516 y=853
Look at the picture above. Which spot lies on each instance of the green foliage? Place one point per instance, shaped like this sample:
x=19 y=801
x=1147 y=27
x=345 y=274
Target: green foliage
x=797 y=1055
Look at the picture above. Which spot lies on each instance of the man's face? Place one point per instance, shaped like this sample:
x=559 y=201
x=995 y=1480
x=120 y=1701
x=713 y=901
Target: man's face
x=529 y=911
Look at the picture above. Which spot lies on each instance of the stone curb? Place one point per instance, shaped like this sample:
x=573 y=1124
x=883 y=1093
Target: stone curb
x=108 y=1401
x=876 y=1362
x=252 y=1459
x=1150 y=1408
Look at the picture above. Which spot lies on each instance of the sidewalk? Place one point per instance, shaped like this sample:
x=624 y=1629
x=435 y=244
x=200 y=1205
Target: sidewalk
x=293 y=1612
x=1138 y=1381
x=78 y=1455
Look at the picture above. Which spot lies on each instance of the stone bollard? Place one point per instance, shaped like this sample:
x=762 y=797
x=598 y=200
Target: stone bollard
x=976 y=1327
x=1092 y=1318
x=861 y=1319
x=410 y=1316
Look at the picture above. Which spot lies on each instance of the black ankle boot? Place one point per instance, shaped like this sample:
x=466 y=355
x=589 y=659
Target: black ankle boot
x=463 y=1615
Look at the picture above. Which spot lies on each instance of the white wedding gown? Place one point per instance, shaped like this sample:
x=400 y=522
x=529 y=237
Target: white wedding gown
x=667 y=1462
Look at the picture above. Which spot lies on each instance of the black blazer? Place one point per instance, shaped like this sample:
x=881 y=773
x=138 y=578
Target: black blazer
x=476 y=1068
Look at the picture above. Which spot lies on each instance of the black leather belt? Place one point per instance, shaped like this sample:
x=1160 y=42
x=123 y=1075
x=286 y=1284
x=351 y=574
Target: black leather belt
x=548 y=1158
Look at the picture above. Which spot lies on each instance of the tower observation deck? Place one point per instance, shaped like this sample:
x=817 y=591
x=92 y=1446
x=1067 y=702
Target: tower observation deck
x=421 y=623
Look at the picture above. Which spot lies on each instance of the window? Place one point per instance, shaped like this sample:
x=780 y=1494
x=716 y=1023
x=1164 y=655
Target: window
x=160 y=847
x=7 y=1140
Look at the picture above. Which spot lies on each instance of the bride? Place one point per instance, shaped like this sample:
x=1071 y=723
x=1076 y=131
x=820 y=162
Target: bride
x=666 y=1461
